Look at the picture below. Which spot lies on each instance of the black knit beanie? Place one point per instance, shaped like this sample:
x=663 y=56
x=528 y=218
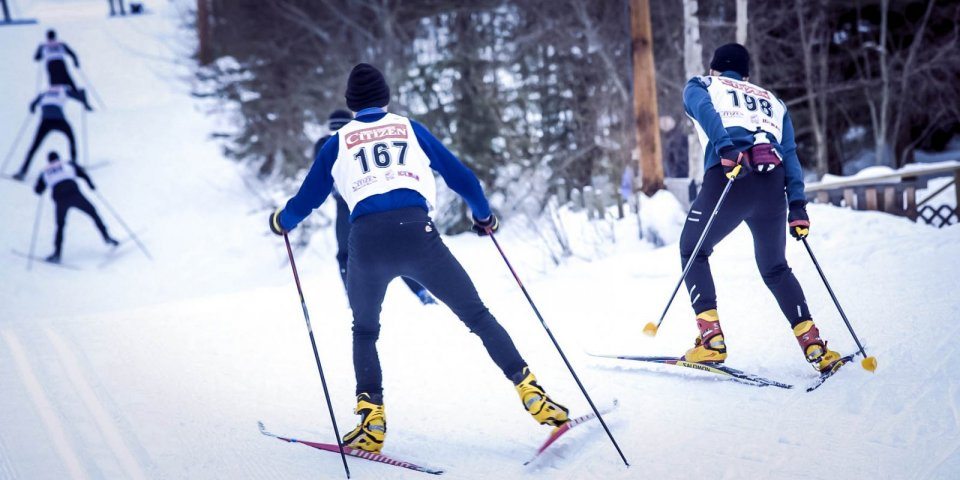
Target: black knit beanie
x=53 y=157
x=366 y=88
x=731 y=57
x=338 y=119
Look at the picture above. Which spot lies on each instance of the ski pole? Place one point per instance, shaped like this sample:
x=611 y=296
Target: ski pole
x=36 y=227
x=868 y=363
x=86 y=82
x=16 y=141
x=559 y=350
x=316 y=355
x=123 y=224
x=650 y=328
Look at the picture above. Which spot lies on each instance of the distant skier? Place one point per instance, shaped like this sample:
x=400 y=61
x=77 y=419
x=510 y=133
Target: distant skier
x=62 y=179
x=338 y=119
x=742 y=124
x=51 y=118
x=53 y=51
x=381 y=164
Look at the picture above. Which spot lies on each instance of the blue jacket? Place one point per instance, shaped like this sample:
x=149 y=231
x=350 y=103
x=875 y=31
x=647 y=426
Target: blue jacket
x=697 y=103
x=319 y=180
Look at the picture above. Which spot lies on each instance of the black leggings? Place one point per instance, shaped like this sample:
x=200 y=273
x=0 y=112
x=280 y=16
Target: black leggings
x=759 y=200
x=57 y=69
x=405 y=242
x=343 y=235
x=46 y=126
x=75 y=200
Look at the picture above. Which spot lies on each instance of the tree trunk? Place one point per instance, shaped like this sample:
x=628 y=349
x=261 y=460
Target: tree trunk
x=645 y=98
x=742 y=21
x=692 y=65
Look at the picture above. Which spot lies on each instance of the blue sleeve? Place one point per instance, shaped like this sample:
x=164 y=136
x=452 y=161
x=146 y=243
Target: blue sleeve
x=697 y=103
x=315 y=187
x=791 y=163
x=458 y=177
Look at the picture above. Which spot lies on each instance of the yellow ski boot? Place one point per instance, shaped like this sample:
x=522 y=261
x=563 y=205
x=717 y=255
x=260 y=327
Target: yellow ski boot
x=536 y=401
x=814 y=348
x=372 y=431
x=709 y=346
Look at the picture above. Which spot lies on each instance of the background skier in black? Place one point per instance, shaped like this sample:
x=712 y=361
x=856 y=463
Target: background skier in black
x=53 y=51
x=338 y=119
x=51 y=118
x=61 y=178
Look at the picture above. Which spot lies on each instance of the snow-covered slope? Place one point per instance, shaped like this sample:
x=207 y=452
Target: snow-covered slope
x=161 y=369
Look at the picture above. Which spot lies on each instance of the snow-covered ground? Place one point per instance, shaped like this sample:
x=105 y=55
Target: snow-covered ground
x=161 y=369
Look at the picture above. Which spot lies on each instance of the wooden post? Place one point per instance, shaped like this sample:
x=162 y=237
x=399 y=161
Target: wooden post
x=646 y=113
x=956 y=189
x=203 y=32
x=850 y=197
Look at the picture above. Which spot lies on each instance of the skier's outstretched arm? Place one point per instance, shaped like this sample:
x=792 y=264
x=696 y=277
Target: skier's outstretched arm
x=315 y=187
x=37 y=56
x=76 y=61
x=82 y=173
x=791 y=163
x=458 y=177
x=34 y=103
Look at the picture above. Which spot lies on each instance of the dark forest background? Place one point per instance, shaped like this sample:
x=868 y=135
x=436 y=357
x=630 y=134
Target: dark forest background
x=530 y=93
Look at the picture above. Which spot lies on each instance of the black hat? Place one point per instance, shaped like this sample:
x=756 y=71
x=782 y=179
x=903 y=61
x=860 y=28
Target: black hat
x=338 y=119
x=53 y=156
x=366 y=88
x=51 y=34
x=731 y=57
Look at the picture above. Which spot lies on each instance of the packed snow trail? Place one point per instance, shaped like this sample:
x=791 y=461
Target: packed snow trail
x=161 y=369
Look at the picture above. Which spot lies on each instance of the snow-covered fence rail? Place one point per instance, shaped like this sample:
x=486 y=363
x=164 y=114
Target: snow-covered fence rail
x=894 y=193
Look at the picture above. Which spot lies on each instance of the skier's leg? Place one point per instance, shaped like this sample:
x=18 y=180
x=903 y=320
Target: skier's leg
x=42 y=132
x=699 y=280
x=85 y=206
x=64 y=127
x=62 y=207
x=440 y=272
x=769 y=244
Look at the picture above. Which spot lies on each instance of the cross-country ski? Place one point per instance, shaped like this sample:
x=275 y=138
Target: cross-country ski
x=714 y=368
x=355 y=452
x=440 y=237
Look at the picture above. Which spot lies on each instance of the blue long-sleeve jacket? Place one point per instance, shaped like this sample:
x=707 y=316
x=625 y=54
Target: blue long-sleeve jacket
x=699 y=106
x=319 y=180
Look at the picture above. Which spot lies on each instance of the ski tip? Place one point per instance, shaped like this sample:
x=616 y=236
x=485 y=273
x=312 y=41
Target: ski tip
x=650 y=329
x=869 y=364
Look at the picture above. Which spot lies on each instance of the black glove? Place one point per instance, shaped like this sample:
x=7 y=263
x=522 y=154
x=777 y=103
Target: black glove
x=733 y=162
x=486 y=226
x=275 y=226
x=798 y=220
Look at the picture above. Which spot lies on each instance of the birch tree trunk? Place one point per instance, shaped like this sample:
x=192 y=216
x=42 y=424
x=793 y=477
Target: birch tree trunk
x=742 y=21
x=692 y=65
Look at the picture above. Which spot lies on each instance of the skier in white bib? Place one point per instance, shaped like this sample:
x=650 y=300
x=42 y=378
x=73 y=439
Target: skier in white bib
x=383 y=166
x=743 y=125
x=62 y=177
x=53 y=52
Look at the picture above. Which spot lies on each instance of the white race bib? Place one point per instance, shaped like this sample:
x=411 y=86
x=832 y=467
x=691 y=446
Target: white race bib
x=53 y=51
x=54 y=97
x=378 y=157
x=57 y=172
x=743 y=104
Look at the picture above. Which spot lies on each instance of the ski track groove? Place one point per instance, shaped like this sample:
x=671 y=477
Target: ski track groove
x=45 y=409
x=6 y=468
x=108 y=429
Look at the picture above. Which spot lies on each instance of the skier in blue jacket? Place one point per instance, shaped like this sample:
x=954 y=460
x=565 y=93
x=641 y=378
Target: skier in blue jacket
x=743 y=125
x=382 y=165
x=339 y=118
